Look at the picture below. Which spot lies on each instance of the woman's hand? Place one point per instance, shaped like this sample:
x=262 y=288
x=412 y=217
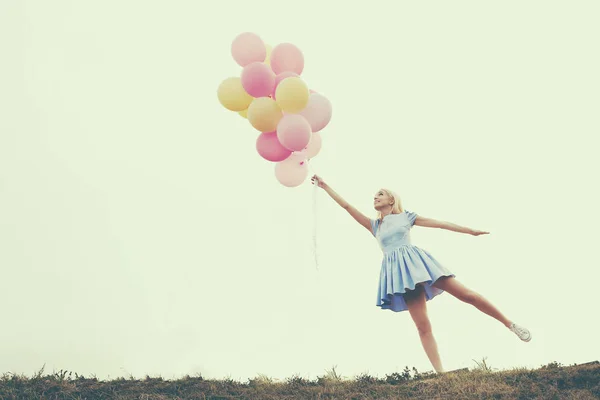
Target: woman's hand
x=475 y=232
x=317 y=180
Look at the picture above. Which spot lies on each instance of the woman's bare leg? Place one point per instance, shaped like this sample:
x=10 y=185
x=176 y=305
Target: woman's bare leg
x=463 y=293
x=415 y=300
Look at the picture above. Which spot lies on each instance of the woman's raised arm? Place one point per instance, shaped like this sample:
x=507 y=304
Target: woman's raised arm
x=434 y=223
x=357 y=215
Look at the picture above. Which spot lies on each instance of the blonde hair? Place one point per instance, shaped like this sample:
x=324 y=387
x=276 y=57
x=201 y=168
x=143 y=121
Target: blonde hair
x=396 y=207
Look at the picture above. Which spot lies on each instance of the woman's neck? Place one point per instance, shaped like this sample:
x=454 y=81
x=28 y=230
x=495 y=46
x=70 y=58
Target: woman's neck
x=385 y=213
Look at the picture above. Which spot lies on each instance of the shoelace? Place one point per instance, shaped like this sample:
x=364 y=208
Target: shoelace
x=520 y=331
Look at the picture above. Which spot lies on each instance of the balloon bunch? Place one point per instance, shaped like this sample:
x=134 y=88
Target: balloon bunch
x=277 y=102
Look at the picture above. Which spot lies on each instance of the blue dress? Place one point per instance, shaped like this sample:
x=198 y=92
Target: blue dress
x=403 y=265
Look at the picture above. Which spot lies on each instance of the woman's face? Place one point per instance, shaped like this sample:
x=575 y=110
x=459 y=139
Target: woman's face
x=382 y=199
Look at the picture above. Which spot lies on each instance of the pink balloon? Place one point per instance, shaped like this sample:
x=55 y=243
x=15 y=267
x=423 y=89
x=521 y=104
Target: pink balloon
x=258 y=80
x=269 y=147
x=293 y=132
x=292 y=171
x=317 y=112
x=287 y=57
x=280 y=77
x=314 y=146
x=247 y=48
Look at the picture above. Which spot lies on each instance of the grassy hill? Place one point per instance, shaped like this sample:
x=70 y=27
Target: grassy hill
x=552 y=381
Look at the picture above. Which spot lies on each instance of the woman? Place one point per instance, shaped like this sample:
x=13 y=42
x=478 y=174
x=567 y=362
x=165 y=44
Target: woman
x=410 y=276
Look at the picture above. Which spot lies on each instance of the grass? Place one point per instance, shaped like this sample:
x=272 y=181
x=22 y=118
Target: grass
x=552 y=381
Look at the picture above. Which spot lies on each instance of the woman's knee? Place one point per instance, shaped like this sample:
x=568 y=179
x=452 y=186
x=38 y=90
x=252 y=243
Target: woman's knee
x=416 y=302
x=423 y=327
x=471 y=297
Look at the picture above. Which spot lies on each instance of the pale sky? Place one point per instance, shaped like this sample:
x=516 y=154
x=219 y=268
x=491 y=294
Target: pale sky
x=141 y=232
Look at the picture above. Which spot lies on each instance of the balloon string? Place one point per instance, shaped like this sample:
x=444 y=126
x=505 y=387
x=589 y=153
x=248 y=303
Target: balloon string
x=314 y=207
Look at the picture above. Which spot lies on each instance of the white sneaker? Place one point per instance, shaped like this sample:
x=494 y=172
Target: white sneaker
x=522 y=333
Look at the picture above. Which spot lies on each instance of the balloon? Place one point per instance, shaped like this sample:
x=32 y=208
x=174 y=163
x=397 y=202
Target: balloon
x=247 y=48
x=232 y=95
x=293 y=132
x=269 y=147
x=292 y=94
x=271 y=94
x=280 y=77
x=292 y=171
x=317 y=112
x=258 y=80
x=264 y=114
x=268 y=58
x=287 y=57
x=314 y=146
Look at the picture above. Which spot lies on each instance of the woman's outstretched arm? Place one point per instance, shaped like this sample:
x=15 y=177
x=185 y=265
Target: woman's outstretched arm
x=357 y=215
x=434 y=223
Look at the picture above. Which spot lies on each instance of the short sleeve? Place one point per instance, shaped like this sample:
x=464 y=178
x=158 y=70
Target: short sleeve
x=374 y=226
x=411 y=217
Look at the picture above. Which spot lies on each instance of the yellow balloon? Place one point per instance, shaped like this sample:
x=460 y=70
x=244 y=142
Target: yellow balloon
x=292 y=94
x=268 y=59
x=244 y=113
x=264 y=114
x=232 y=95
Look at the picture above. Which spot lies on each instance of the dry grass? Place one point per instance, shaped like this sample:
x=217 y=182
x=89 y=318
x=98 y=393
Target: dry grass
x=552 y=381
